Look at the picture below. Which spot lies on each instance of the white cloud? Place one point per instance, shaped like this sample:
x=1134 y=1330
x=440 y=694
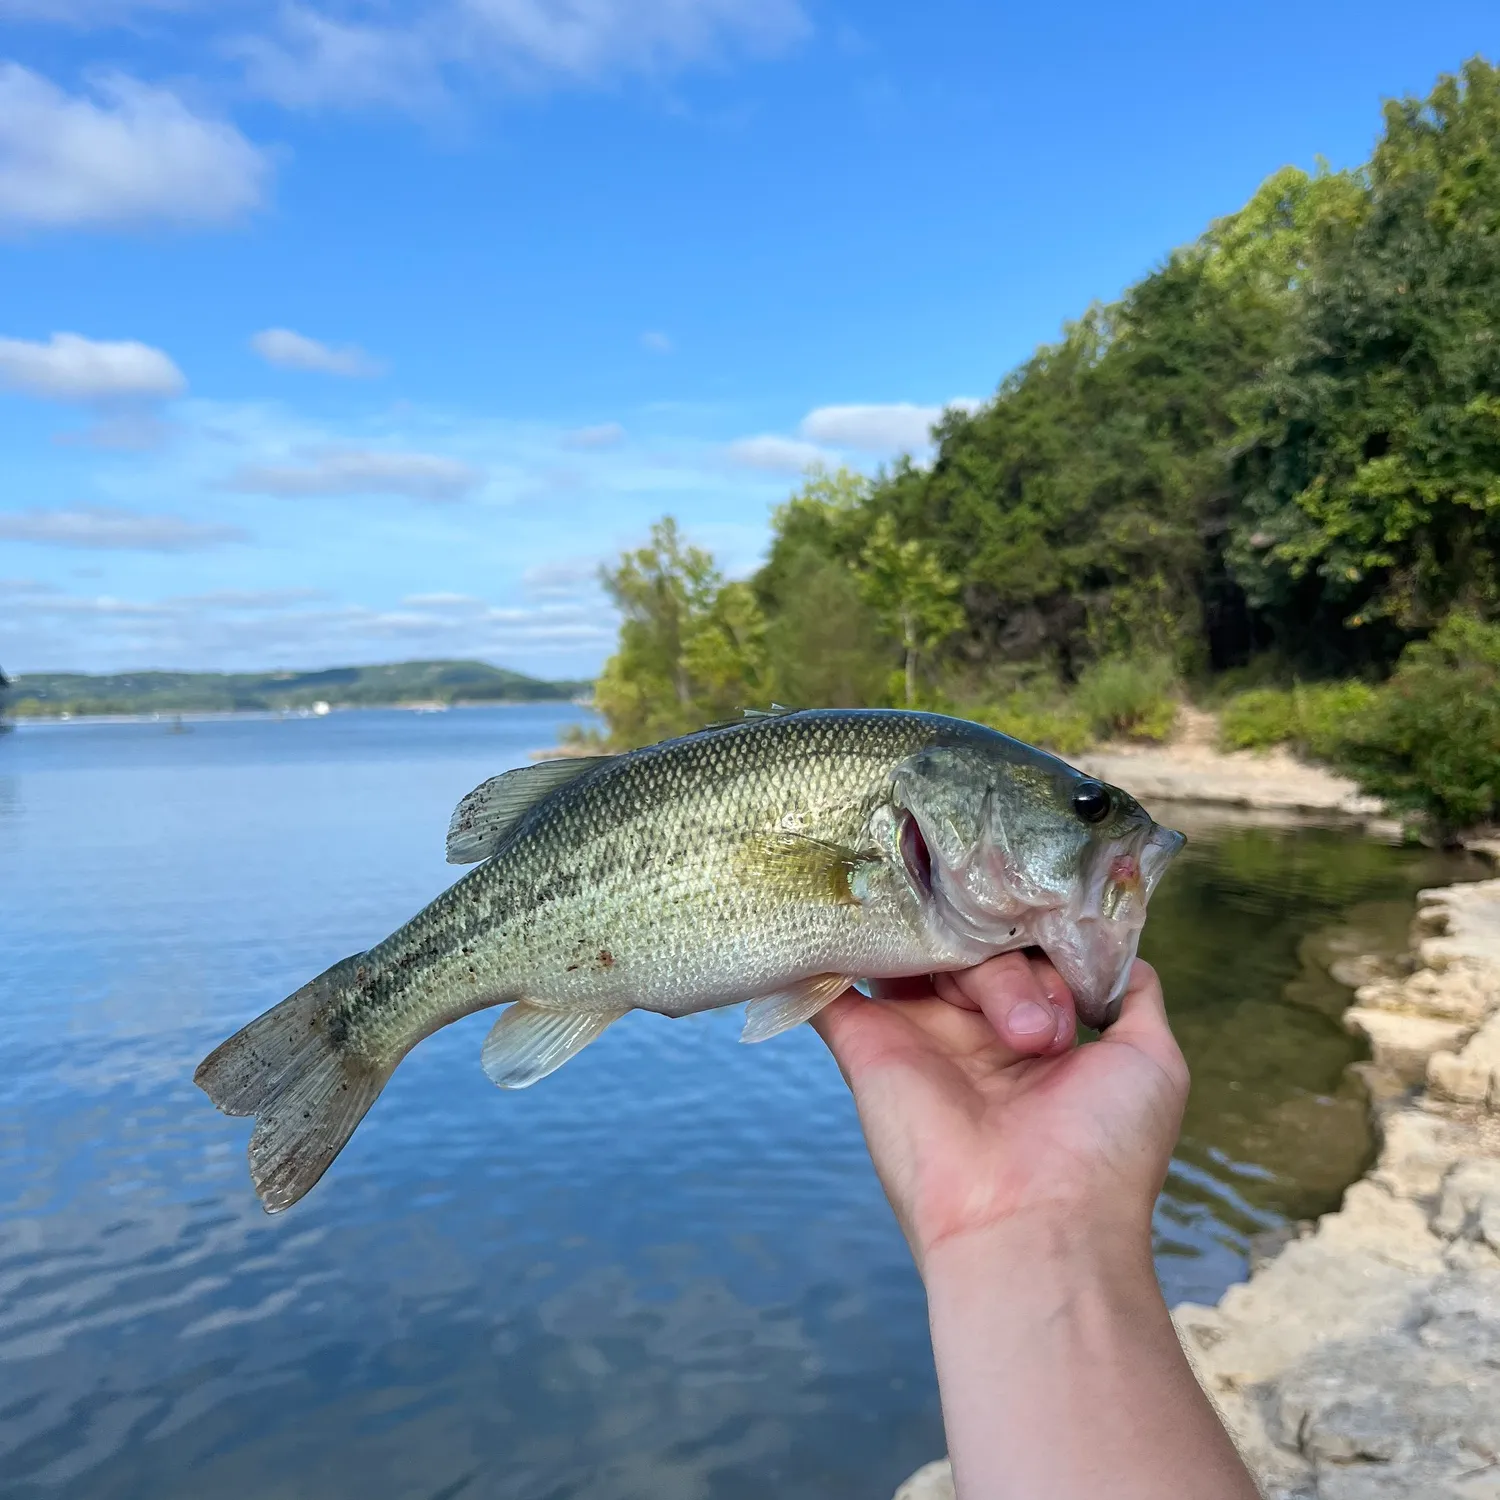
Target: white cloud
x=781 y=455
x=354 y=471
x=315 y=58
x=605 y=435
x=72 y=368
x=295 y=351
x=874 y=429
x=128 y=154
x=655 y=342
x=99 y=528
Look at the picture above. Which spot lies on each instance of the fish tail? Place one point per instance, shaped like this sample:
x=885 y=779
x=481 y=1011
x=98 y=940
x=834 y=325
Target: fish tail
x=294 y=1070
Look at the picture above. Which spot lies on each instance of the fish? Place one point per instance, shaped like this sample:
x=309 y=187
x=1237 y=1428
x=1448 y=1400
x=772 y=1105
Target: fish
x=775 y=860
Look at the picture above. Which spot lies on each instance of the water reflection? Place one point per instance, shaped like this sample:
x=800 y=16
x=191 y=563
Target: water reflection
x=667 y=1272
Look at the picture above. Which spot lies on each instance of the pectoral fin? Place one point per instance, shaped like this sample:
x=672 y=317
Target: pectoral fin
x=528 y=1043
x=816 y=871
x=772 y=1014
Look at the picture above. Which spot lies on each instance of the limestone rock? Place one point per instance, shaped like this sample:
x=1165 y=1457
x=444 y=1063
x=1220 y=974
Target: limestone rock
x=1401 y=1044
x=1470 y=1075
x=932 y=1481
x=1469 y=1205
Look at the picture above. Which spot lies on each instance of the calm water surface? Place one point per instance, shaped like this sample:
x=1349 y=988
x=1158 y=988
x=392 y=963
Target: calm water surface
x=666 y=1272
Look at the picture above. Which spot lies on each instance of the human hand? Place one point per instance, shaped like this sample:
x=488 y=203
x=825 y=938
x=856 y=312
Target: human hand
x=979 y=1108
x=1024 y=1169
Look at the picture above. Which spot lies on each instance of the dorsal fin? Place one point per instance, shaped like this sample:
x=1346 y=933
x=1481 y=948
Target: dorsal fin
x=482 y=820
x=775 y=711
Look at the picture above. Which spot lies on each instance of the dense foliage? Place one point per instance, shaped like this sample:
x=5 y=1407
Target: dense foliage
x=1281 y=445
x=1430 y=742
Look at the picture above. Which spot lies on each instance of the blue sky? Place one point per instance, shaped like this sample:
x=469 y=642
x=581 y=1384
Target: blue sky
x=362 y=330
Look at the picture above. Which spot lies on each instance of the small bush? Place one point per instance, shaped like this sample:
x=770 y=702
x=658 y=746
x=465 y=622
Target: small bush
x=1054 y=726
x=1317 y=720
x=1131 y=696
x=1331 y=716
x=1431 y=741
x=1258 y=719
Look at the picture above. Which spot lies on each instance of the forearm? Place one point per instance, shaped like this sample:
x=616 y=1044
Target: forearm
x=1061 y=1374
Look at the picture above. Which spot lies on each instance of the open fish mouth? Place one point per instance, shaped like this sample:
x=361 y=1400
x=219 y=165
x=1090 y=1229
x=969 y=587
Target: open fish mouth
x=1093 y=945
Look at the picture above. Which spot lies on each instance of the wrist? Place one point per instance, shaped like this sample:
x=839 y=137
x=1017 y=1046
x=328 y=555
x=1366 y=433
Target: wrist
x=1060 y=1237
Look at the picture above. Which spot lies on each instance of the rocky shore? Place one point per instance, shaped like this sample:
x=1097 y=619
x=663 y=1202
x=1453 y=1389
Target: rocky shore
x=1361 y=1361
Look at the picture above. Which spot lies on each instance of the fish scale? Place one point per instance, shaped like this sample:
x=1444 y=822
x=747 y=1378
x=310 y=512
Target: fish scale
x=770 y=860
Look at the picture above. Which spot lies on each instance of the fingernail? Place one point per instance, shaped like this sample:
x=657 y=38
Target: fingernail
x=1028 y=1019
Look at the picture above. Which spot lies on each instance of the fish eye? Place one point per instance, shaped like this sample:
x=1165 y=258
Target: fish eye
x=1091 y=801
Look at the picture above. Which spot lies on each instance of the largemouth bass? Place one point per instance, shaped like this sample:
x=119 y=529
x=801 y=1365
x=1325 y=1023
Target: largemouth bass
x=774 y=861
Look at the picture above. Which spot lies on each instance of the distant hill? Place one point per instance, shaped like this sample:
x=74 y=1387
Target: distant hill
x=47 y=694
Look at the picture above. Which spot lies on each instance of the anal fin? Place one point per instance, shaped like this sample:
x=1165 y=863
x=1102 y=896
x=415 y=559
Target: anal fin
x=528 y=1042
x=770 y=1015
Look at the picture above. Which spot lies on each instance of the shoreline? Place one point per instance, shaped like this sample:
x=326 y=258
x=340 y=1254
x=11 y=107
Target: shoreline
x=1361 y=1359
x=210 y=715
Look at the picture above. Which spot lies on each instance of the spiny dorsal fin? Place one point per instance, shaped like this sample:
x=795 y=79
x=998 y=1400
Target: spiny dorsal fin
x=775 y=711
x=482 y=820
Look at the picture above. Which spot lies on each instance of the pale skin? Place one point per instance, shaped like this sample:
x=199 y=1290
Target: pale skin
x=1023 y=1170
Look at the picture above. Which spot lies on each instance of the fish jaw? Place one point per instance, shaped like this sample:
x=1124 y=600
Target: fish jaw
x=1092 y=944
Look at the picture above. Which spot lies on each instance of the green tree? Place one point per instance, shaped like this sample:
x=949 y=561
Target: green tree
x=906 y=585
x=691 y=646
x=1371 y=485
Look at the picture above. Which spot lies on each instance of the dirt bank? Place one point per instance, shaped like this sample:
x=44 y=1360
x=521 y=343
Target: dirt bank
x=1192 y=769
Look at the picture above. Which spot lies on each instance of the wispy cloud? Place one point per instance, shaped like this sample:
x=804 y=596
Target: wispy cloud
x=778 y=455
x=406 y=57
x=248 y=598
x=100 y=528
x=252 y=629
x=443 y=601
x=353 y=471
x=570 y=578
x=85 y=13
x=653 y=341
x=70 y=367
x=295 y=351
x=124 y=154
x=605 y=435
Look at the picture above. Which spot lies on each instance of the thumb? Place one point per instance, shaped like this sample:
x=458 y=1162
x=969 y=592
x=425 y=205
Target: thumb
x=1143 y=1025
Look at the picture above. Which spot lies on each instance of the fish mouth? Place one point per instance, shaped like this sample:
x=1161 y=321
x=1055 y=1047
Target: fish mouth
x=1093 y=945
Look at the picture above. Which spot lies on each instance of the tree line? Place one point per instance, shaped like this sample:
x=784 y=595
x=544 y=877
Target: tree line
x=1275 y=457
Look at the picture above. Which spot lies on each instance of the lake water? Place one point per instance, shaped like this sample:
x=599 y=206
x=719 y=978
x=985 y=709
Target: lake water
x=666 y=1272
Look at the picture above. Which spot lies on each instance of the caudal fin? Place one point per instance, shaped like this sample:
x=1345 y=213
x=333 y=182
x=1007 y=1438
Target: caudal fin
x=290 y=1069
